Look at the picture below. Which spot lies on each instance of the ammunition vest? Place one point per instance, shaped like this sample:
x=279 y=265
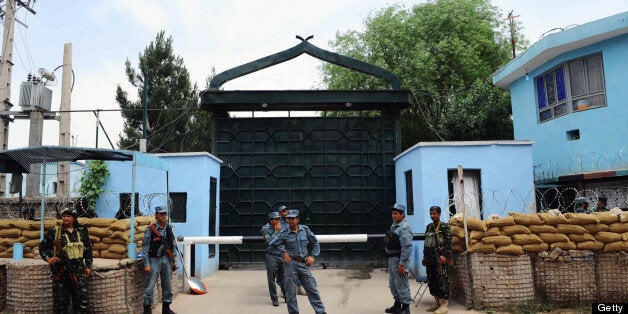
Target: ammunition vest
x=391 y=240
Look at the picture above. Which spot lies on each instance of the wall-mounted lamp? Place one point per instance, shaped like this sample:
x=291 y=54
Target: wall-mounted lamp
x=264 y=105
x=348 y=105
x=527 y=76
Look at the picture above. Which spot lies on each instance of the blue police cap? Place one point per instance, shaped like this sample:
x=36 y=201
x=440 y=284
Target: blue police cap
x=292 y=213
x=281 y=208
x=580 y=200
x=398 y=207
x=160 y=209
x=273 y=215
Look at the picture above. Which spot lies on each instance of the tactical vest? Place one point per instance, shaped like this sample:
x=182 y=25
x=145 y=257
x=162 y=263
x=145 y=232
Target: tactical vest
x=74 y=250
x=155 y=249
x=391 y=240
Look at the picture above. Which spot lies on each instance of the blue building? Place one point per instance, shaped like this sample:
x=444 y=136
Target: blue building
x=568 y=95
x=192 y=185
x=76 y=173
x=497 y=180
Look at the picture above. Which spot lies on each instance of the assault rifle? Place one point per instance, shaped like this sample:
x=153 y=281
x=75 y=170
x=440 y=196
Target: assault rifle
x=173 y=263
x=66 y=264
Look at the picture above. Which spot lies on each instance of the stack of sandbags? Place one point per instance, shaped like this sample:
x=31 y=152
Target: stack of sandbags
x=21 y=231
x=109 y=236
x=519 y=233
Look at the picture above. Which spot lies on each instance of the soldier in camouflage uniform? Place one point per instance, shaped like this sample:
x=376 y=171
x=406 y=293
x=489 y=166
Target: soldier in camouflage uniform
x=68 y=250
x=436 y=259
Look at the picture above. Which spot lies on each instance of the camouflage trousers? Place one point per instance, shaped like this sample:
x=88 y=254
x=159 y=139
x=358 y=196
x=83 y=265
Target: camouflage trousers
x=437 y=276
x=67 y=291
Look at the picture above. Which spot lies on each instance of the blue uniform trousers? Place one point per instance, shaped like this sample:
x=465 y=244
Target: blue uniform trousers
x=274 y=273
x=160 y=266
x=296 y=270
x=399 y=286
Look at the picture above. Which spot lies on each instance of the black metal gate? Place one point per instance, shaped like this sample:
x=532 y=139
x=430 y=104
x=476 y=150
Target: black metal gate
x=338 y=172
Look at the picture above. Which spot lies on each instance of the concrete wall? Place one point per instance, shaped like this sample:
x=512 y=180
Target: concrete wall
x=189 y=173
x=505 y=168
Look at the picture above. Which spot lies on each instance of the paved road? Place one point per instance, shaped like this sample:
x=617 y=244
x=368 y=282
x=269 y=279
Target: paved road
x=345 y=291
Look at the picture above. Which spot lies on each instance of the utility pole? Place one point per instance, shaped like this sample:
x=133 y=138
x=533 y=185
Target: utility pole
x=63 y=168
x=6 y=64
x=512 y=32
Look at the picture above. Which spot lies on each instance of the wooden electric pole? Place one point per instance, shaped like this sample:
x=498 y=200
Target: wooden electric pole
x=513 y=42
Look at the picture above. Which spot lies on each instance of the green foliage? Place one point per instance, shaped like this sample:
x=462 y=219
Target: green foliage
x=93 y=180
x=174 y=122
x=445 y=52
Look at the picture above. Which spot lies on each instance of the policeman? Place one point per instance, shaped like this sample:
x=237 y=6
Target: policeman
x=601 y=204
x=158 y=247
x=581 y=205
x=68 y=251
x=283 y=211
x=398 y=246
x=436 y=259
x=274 y=257
x=297 y=240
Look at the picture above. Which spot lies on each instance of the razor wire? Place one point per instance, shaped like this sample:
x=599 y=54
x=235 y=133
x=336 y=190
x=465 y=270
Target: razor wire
x=581 y=163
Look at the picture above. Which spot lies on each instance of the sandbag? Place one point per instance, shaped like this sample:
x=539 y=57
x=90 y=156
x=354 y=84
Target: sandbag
x=540 y=247
x=522 y=239
x=625 y=236
x=574 y=237
x=121 y=225
x=117 y=248
x=457 y=231
x=458 y=248
x=527 y=219
x=122 y=235
x=595 y=228
x=113 y=241
x=511 y=249
x=582 y=219
x=553 y=237
x=516 y=229
x=32 y=243
x=536 y=229
x=497 y=240
x=608 y=237
x=100 y=222
x=31 y=234
x=100 y=246
x=616 y=246
x=145 y=220
x=606 y=217
x=590 y=245
x=482 y=248
x=455 y=221
x=618 y=227
x=111 y=255
x=11 y=233
x=21 y=224
x=563 y=245
x=492 y=231
x=549 y=219
x=563 y=228
x=476 y=224
x=500 y=222
x=100 y=232
x=94 y=239
x=456 y=240
x=475 y=234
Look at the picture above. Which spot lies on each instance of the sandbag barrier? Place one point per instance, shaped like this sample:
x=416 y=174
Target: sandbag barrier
x=562 y=258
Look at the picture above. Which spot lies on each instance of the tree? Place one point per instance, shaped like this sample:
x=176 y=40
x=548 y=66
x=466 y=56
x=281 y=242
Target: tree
x=174 y=122
x=445 y=52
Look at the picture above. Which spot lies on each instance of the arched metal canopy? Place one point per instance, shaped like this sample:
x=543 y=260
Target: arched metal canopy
x=394 y=98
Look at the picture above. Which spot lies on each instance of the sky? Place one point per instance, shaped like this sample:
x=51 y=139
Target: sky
x=207 y=33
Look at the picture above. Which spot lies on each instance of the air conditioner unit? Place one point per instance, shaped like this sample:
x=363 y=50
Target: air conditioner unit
x=35 y=94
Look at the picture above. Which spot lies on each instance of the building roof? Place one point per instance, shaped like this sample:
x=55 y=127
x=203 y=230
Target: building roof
x=19 y=160
x=464 y=143
x=556 y=44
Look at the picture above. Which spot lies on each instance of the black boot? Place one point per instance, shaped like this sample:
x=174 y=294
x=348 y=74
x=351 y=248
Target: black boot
x=165 y=308
x=405 y=309
x=147 y=309
x=395 y=308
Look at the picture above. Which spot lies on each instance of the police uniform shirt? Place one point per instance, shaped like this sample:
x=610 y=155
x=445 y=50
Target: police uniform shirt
x=269 y=234
x=296 y=243
x=402 y=229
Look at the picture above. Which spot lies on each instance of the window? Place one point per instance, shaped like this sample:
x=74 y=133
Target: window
x=573 y=86
x=409 y=196
x=125 y=206
x=213 y=186
x=178 y=211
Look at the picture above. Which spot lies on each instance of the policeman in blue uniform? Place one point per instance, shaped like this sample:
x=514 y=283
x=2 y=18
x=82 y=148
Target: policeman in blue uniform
x=297 y=241
x=274 y=257
x=283 y=211
x=398 y=246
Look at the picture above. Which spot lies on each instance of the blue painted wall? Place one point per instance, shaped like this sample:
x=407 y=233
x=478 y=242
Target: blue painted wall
x=505 y=172
x=189 y=173
x=602 y=129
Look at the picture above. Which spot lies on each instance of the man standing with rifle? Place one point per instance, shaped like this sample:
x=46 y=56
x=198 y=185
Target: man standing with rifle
x=68 y=251
x=398 y=246
x=158 y=245
x=436 y=259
